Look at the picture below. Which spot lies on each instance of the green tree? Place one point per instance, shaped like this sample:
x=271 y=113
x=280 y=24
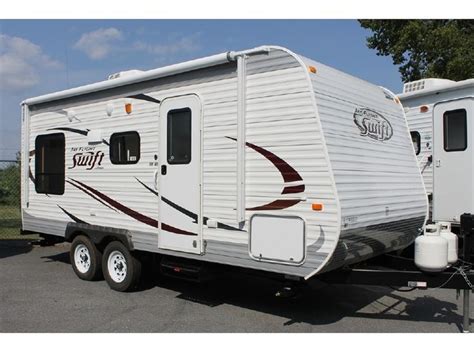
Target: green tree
x=425 y=48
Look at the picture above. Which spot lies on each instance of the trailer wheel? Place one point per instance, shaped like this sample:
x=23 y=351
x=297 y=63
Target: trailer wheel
x=121 y=268
x=85 y=258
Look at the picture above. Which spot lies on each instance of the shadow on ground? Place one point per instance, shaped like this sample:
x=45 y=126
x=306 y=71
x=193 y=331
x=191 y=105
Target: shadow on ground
x=320 y=304
x=9 y=248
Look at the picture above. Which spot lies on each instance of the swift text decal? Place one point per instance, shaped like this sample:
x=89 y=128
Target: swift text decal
x=372 y=124
x=86 y=157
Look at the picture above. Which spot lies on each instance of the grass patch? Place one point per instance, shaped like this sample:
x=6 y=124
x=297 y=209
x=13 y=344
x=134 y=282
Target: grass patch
x=10 y=223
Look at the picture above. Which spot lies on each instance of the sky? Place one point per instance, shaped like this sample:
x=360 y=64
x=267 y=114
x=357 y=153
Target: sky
x=43 y=56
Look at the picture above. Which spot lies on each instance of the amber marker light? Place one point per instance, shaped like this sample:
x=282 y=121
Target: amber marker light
x=424 y=108
x=312 y=69
x=317 y=206
x=128 y=108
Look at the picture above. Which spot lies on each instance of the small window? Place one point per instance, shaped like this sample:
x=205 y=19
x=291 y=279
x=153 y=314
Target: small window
x=416 y=140
x=179 y=136
x=49 y=163
x=125 y=148
x=455 y=130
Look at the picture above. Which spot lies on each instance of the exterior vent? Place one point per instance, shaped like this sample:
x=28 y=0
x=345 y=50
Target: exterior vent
x=424 y=84
x=124 y=74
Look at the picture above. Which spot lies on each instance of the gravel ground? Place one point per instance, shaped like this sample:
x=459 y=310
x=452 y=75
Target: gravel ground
x=39 y=292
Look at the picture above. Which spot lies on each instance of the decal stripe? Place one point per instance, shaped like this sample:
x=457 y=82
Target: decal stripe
x=293 y=189
x=73 y=217
x=30 y=174
x=144 y=97
x=130 y=212
x=69 y=129
x=75 y=130
x=288 y=173
x=170 y=228
x=278 y=204
x=187 y=212
x=134 y=214
x=91 y=195
x=170 y=203
x=148 y=188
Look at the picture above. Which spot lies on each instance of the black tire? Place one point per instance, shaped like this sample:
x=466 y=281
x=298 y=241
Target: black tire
x=93 y=256
x=127 y=268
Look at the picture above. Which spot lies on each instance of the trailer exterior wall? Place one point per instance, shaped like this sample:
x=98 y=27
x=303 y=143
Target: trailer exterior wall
x=380 y=190
x=282 y=121
x=422 y=122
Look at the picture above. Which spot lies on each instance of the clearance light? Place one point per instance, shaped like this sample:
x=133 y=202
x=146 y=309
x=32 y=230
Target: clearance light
x=396 y=100
x=312 y=69
x=424 y=108
x=128 y=108
x=317 y=206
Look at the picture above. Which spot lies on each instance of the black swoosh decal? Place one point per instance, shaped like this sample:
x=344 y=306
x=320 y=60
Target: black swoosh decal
x=75 y=130
x=73 y=217
x=144 y=97
x=187 y=212
x=69 y=129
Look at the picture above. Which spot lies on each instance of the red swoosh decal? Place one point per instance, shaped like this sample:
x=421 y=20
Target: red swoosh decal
x=134 y=214
x=288 y=173
x=277 y=204
x=130 y=212
x=293 y=189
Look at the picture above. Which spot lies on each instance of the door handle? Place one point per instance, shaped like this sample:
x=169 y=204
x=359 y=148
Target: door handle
x=155 y=180
x=163 y=169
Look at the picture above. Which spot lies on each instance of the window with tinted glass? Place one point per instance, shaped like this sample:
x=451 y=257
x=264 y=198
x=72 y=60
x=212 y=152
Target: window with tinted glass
x=49 y=163
x=125 y=148
x=179 y=136
x=416 y=140
x=455 y=130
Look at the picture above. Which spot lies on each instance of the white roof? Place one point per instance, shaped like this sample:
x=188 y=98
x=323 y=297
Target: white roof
x=140 y=76
x=430 y=86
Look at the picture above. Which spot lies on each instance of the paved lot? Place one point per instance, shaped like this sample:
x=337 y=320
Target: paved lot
x=39 y=292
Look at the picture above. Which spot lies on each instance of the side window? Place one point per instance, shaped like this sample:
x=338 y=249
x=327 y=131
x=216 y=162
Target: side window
x=50 y=163
x=125 y=148
x=416 y=140
x=179 y=136
x=455 y=130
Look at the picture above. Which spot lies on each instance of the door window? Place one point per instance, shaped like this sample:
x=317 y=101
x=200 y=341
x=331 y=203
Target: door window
x=455 y=130
x=179 y=136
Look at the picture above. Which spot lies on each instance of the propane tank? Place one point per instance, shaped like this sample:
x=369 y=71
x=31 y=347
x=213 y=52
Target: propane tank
x=431 y=250
x=445 y=232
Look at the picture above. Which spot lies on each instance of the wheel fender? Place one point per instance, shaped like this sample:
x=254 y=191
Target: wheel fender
x=99 y=234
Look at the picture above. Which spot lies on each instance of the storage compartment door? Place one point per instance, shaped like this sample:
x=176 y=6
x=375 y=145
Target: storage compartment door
x=277 y=239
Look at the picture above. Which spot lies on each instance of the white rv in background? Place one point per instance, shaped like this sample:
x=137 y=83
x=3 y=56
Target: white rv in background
x=440 y=116
x=260 y=159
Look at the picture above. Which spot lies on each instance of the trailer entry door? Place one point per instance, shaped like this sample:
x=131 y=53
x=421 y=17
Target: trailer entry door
x=180 y=174
x=453 y=160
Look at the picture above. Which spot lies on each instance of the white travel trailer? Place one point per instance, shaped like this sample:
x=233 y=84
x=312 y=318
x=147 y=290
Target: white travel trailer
x=439 y=114
x=259 y=159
